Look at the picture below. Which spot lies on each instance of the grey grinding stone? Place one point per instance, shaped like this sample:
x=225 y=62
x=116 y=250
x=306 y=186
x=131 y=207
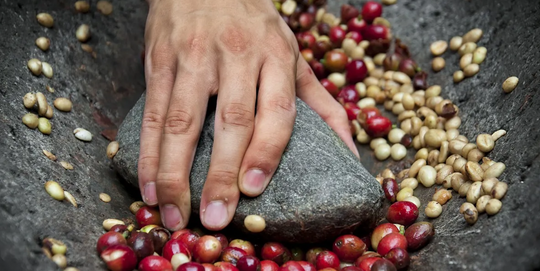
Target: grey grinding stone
x=104 y=89
x=319 y=190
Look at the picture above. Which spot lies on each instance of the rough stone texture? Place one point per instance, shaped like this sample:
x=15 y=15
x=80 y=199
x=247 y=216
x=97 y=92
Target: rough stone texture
x=507 y=241
x=319 y=190
x=102 y=90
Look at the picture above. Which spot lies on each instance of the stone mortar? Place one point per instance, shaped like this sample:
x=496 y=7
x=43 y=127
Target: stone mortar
x=104 y=89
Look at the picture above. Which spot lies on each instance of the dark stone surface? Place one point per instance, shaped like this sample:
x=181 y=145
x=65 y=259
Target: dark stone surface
x=102 y=90
x=507 y=241
x=319 y=190
x=511 y=239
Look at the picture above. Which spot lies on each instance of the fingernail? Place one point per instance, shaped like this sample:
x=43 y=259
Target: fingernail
x=254 y=181
x=215 y=215
x=149 y=193
x=172 y=219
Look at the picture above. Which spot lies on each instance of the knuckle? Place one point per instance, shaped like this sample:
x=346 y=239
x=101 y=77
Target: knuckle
x=171 y=182
x=147 y=160
x=283 y=50
x=178 y=122
x=223 y=177
x=160 y=59
x=282 y=105
x=145 y=167
x=152 y=120
x=341 y=115
x=237 y=114
x=270 y=150
x=303 y=79
x=233 y=40
x=267 y=155
x=196 y=45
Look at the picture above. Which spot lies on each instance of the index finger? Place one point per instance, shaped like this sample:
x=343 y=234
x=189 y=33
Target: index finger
x=160 y=74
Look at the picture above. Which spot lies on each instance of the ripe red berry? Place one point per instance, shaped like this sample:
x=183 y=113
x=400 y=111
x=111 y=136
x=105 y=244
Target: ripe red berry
x=380 y=232
x=323 y=28
x=399 y=257
x=268 y=265
x=357 y=25
x=291 y=266
x=109 y=239
x=307 y=266
x=232 y=254
x=275 y=252
x=390 y=188
x=348 y=94
x=366 y=113
x=189 y=238
x=351 y=268
x=402 y=212
x=175 y=246
x=306 y=21
x=377 y=126
x=327 y=259
x=337 y=35
x=142 y=244
x=371 y=10
x=419 y=235
x=383 y=265
x=225 y=266
x=207 y=249
x=331 y=87
x=352 y=110
x=348 y=247
x=305 y=40
x=391 y=241
x=318 y=69
x=307 y=54
x=367 y=263
x=191 y=266
x=335 y=61
x=354 y=35
x=222 y=239
x=320 y=48
x=348 y=12
x=248 y=263
x=147 y=215
x=375 y=32
x=119 y=258
x=356 y=71
x=209 y=267
x=243 y=245
x=155 y=263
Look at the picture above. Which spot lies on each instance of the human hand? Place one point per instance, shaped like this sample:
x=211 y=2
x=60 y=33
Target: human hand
x=195 y=49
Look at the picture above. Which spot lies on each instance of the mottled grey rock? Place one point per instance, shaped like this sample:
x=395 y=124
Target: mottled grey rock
x=319 y=190
x=104 y=89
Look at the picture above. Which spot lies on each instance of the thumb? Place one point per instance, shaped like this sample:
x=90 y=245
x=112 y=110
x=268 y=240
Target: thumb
x=317 y=97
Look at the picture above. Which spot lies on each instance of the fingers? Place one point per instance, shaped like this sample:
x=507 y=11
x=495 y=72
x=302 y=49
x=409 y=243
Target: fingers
x=182 y=126
x=160 y=72
x=276 y=112
x=317 y=97
x=234 y=124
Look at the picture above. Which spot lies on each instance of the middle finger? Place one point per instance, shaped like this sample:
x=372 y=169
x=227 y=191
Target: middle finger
x=181 y=131
x=235 y=114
